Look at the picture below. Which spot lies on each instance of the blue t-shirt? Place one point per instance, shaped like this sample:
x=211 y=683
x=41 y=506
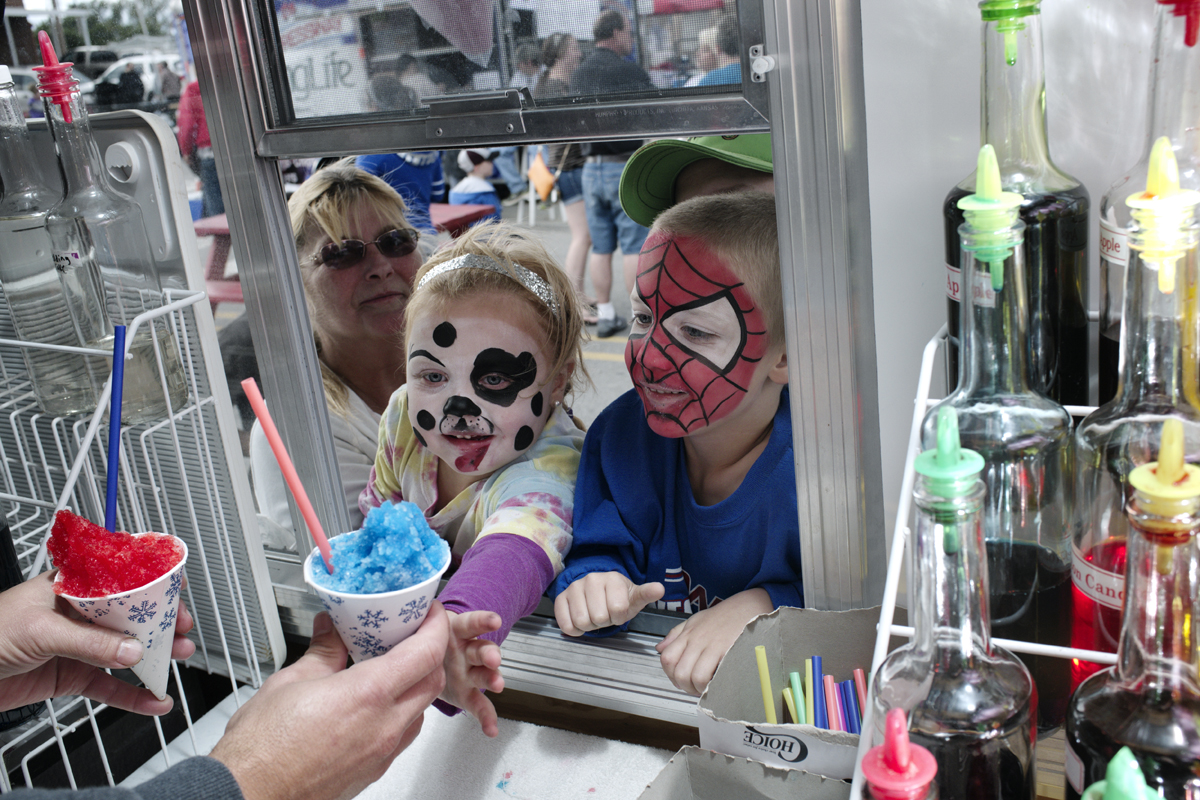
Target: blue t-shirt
x=635 y=513
x=416 y=176
x=730 y=73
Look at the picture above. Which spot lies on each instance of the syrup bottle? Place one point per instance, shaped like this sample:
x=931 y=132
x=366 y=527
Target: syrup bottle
x=972 y=704
x=1054 y=209
x=1150 y=701
x=1174 y=101
x=1023 y=436
x=47 y=306
x=897 y=769
x=1158 y=381
x=95 y=227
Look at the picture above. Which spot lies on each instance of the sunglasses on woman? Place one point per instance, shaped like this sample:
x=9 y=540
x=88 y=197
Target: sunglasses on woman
x=345 y=254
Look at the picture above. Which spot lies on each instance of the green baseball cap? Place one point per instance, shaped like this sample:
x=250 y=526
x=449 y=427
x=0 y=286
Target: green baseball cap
x=648 y=181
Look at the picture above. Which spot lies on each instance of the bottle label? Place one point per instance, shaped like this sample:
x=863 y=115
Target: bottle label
x=1073 y=767
x=1114 y=244
x=65 y=260
x=1100 y=585
x=982 y=293
x=954 y=283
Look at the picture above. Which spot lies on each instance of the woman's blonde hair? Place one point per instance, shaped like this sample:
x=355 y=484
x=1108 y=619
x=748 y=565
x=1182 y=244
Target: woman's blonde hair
x=321 y=208
x=507 y=245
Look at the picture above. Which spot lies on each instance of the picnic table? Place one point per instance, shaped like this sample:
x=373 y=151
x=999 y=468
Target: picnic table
x=453 y=219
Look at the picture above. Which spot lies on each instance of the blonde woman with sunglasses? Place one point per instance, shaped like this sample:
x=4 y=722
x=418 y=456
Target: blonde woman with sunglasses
x=358 y=257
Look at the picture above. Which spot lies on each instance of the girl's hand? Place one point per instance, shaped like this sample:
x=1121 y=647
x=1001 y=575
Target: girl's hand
x=692 y=650
x=472 y=666
x=600 y=599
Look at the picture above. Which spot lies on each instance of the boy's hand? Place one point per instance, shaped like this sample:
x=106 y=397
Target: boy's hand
x=472 y=665
x=693 y=649
x=600 y=599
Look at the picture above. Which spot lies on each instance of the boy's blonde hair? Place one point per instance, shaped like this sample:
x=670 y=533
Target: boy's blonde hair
x=507 y=245
x=740 y=229
x=322 y=206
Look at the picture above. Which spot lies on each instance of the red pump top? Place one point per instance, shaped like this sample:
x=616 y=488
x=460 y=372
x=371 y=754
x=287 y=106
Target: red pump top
x=1191 y=10
x=56 y=81
x=898 y=770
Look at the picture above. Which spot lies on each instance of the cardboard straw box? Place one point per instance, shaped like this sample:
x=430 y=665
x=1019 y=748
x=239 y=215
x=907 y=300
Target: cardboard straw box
x=697 y=774
x=731 y=708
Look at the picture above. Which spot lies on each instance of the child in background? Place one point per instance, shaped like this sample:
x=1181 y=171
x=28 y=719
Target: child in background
x=686 y=494
x=476 y=189
x=480 y=440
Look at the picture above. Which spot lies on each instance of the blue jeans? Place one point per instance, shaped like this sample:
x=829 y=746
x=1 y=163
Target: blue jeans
x=607 y=221
x=570 y=186
x=506 y=163
x=210 y=190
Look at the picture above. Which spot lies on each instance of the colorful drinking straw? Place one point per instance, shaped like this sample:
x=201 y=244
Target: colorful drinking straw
x=289 y=470
x=114 y=428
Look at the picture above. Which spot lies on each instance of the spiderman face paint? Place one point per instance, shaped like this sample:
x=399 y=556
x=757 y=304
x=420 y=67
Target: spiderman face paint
x=696 y=337
x=475 y=394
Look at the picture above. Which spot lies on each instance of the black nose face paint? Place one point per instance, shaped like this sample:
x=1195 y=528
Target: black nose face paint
x=513 y=374
x=463 y=417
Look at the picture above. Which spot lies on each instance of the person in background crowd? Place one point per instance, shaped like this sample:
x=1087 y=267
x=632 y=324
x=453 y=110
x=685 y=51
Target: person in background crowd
x=526 y=75
x=728 y=59
x=560 y=56
x=367 y=714
x=196 y=147
x=476 y=188
x=416 y=175
x=166 y=83
x=604 y=72
x=130 y=89
x=705 y=57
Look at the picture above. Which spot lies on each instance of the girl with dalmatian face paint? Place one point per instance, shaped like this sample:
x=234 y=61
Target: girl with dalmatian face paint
x=492 y=341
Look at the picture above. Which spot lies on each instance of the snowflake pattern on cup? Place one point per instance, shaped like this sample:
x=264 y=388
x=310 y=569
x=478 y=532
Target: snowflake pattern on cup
x=142 y=612
x=369 y=644
x=372 y=619
x=414 y=609
x=174 y=586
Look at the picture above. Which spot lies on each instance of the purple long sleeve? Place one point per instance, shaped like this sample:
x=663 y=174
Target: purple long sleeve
x=501 y=572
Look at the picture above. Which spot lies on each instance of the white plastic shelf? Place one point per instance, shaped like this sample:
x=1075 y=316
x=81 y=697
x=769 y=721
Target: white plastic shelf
x=896 y=558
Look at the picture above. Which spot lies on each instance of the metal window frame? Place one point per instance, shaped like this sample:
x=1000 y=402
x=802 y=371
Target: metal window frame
x=815 y=101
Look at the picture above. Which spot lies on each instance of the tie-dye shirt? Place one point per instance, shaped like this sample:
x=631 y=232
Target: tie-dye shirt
x=531 y=497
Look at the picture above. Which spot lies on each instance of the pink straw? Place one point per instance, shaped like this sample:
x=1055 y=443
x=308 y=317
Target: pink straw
x=289 y=470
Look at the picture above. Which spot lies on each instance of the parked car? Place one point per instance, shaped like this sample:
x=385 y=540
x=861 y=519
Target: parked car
x=90 y=60
x=106 y=89
x=25 y=87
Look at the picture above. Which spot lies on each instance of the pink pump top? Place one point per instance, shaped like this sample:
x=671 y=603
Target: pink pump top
x=55 y=81
x=898 y=770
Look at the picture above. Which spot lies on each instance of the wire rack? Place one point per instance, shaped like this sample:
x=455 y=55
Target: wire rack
x=182 y=475
x=896 y=560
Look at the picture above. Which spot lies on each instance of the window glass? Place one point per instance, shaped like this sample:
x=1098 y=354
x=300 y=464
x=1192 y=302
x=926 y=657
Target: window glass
x=349 y=57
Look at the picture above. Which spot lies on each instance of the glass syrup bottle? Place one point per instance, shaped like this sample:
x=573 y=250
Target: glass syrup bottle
x=898 y=769
x=1174 y=100
x=1158 y=381
x=96 y=227
x=1054 y=210
x=1150 y=701
x=1023 y=436
x=972 y=704
x=47 y=306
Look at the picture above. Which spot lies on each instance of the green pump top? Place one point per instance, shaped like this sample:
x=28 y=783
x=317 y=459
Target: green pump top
x=1008 y=14
x=1123 y=780
x=991 y=216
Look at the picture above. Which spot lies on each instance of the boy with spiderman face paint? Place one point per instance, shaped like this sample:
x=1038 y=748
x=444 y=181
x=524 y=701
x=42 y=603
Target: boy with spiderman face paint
x=686 y=495
x=480 y=440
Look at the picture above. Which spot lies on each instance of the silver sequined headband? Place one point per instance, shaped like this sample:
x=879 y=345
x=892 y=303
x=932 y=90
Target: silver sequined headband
x=527 y=278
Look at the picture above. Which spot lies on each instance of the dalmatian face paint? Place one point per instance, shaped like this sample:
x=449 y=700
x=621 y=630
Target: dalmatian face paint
x=475 y=393
x=696 y=338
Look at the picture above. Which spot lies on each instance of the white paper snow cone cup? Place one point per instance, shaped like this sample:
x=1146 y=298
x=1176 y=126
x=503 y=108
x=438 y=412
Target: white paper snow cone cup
x=147 y=614
x=372 y=624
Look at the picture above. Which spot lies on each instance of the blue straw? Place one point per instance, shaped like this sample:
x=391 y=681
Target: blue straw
x=114 y=427
x=820 y=712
